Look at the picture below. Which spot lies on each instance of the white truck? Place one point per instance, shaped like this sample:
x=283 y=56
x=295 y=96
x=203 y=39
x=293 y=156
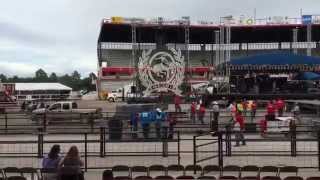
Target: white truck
x=65 y=111
x=121 y=93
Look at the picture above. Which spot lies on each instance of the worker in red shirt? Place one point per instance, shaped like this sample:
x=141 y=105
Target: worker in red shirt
x=239 y=129
x=177 y=102
x=280 y=106
x=202 y=112
x=270 y=111
x=193 y=110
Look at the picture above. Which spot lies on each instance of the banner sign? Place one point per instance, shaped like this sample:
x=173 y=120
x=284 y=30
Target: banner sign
x=306 y=19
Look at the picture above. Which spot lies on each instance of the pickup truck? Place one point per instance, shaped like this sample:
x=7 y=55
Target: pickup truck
x=65 y=111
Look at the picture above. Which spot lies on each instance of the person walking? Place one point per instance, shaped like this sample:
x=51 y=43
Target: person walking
x=172 y=122
x=280 y=106
x=202 y=112
x=216 y=111
x=239 y=129
x=193 y=111
x=253 y=110
x=270 y=111
x=177 y=103
x=296 y=112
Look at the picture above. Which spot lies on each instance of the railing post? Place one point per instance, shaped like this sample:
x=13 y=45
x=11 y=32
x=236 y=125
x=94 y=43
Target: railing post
x=164 y=147
x=293 y=139
x=101 y=142
x=6 y=121
x=45 y=122
x=104 y=142
x=179 y=157
x=220 y=149
x=318 y=133
x=228 y=140
x=85 y=152
x=194 y=151
x=40 y=145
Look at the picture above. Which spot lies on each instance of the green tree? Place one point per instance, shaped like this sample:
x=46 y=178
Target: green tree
x=76 y=75
x=3 y=78
x=41 y=76
x=53 y=77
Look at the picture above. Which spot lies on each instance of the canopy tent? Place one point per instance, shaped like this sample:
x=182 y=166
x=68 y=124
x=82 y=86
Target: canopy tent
x=40 y=86
x=307 y=76
x=276 y=61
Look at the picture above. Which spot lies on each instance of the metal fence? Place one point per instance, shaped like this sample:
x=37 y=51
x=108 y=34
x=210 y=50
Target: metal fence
x=297 y=148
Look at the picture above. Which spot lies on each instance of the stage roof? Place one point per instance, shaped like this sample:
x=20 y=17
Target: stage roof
x=308 y=76
x=276 y=59
x=40 y=86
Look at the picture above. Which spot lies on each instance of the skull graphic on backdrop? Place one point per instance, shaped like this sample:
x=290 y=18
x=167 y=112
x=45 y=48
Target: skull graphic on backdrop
x=161 y=70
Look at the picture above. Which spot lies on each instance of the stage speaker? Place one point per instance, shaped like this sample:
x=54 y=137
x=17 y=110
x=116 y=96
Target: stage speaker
x=115 y=129
x=133 y=89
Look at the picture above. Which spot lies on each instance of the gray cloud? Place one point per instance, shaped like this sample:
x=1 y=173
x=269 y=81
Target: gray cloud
x=62 y=34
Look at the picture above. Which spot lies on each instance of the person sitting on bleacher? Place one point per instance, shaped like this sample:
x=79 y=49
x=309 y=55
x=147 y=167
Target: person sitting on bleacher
x=53 y=158
x=51 y=161
x=71 y=162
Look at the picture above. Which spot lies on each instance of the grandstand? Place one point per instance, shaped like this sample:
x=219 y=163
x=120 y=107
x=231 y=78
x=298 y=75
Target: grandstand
x=203 y=44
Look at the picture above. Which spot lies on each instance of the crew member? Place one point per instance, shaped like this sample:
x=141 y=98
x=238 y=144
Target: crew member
x=177 y=102
x=239 y=129
x=280 y=107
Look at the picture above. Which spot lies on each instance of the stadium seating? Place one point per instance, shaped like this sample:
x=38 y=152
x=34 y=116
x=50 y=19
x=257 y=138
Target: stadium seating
x=293 y=178
x=121 y=170
x=157 y=170
x=230 y=172
x=250 y=172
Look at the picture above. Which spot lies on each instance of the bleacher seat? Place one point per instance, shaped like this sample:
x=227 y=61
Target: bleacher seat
x=11 y=171
x=293 y=178
x=16 y=178
x=207 y=178
x=250 y=172
x=143 y=178
x=121 y=170
x=212 y=170
x=46 y=173
x=185 y=177
x=157 y=170
x=30 y=172
x=231 y=170
x=176 y=170
x=288 y=171
x=139 y=171
x=313 y=178
x=190 y=169
x=270 y=178
x=269 y=171
x=228 y=178
x=122 y=178
x=164 y=178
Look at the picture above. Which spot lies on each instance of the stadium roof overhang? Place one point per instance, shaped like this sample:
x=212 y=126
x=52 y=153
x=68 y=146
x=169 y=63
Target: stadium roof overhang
x=277 y=61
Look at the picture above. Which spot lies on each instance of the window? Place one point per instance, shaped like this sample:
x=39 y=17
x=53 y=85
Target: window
x=55 y=107
x=74 y=105
x=65 y=106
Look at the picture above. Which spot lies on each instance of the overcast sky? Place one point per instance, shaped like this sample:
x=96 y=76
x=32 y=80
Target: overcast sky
x=61 y=35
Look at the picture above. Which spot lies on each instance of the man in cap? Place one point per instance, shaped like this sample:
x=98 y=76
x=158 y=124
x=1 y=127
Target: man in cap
x=215 y=110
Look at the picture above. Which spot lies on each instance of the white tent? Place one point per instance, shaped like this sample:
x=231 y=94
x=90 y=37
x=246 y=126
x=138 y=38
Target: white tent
x=40 y=87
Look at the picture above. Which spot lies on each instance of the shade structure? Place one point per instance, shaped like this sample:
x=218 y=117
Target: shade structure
x=307 y=76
